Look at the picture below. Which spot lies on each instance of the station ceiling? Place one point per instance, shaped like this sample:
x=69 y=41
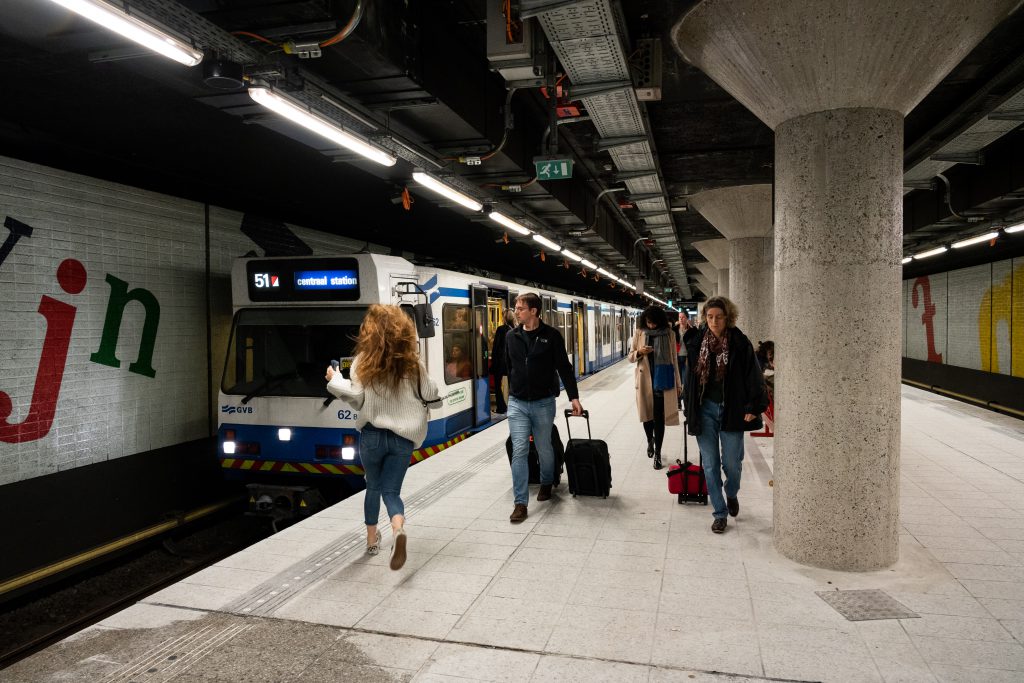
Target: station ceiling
x=416 y=73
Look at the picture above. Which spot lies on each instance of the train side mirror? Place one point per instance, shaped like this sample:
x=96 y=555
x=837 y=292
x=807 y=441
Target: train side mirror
x=424 y=318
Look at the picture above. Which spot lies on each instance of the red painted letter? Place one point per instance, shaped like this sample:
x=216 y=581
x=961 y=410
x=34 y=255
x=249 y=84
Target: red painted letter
x=60 y=318
x=927 y=316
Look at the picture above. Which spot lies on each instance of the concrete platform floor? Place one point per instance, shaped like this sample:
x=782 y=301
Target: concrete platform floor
x=633 y=588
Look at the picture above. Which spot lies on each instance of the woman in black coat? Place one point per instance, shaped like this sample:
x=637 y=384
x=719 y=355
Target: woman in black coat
x=498 y=370
x=725 y=398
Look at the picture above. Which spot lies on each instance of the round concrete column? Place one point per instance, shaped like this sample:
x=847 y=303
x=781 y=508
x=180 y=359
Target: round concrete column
x=752 y=284
x=837 y=255
x=743 y=214
x=835 y=83
x=723 y=282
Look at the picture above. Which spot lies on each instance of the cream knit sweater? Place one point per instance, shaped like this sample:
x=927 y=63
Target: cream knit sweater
x=399 y=410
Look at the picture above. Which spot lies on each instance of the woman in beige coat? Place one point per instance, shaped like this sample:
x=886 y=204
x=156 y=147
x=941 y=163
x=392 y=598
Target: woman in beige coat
x=656 y=378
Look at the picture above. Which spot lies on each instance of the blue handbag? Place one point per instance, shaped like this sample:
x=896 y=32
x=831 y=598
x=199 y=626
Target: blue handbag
x=664 y=378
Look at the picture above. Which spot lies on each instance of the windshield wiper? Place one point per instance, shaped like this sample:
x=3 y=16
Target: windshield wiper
x=268 y=382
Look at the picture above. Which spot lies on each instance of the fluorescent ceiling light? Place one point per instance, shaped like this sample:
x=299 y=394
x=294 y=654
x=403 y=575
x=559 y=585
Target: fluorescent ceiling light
x=631 y=286
x=134 y=29
x=588 y=264
x=908 y=259
x=435 y=185
x=546 y=242
x=1014 y=228
x=568 y=254
x=931 y=252
x=297 y=113
x=975 y=240
x=508 y=223
x=605 y=273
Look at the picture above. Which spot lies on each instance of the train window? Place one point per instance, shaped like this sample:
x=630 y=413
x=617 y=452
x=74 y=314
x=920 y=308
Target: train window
x=455 y=317
x=458 y=360
x=284 y=352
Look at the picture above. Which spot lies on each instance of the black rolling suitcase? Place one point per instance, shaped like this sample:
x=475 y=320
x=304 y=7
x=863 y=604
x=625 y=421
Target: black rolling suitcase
x=533 y=460
x=586 y=463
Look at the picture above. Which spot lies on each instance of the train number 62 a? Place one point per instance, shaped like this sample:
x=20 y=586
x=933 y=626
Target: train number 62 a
x=346 y=415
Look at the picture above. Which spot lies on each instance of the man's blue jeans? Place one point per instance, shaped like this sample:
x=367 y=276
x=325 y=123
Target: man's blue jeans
x=728 y=458
x=385 y=457
x=525 y=418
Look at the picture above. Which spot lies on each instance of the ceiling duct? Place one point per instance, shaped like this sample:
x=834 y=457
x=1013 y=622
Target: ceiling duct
x=587 y=38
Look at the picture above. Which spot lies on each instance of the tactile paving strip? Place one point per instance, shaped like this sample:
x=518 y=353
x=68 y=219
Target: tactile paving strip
x=865 y=605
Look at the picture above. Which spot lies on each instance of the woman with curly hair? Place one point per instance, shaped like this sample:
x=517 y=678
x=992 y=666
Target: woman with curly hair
x=725 y=397
x=655 y=378
x=388 y=387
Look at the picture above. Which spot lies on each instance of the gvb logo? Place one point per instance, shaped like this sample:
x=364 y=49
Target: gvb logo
x=60 y=321
x=232 y=410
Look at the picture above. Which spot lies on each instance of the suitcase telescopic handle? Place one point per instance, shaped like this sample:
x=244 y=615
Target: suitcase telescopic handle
x=568 y=429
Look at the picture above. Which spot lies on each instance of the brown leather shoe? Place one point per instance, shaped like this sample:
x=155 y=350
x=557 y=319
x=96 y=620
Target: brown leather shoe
x=544 y=493
x=518 y=514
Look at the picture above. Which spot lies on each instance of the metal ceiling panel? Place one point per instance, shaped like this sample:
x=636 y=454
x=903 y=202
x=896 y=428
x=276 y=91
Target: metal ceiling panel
x=586 y=38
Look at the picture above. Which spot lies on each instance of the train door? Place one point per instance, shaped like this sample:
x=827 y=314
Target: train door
x=579 y=323
x=497 y=304
x=478 y=342
x=623 y=332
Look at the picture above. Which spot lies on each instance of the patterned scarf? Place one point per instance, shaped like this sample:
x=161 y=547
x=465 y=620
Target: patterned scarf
x=720 y=348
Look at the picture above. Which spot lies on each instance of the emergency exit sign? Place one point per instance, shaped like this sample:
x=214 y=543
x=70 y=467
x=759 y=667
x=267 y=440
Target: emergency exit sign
x=553 y=169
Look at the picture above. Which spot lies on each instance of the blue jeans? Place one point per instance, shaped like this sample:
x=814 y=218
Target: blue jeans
x=385 y=457
x=728 y=458
x=525 y=418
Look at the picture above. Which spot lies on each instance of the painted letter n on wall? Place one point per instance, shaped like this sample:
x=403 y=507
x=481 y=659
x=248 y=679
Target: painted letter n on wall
x=120 y=296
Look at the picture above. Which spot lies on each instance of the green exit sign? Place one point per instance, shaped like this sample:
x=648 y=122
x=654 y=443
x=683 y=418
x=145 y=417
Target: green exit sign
x=553 y=169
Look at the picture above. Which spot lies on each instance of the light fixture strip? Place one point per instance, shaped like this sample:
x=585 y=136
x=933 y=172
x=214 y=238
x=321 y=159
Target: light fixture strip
x=931 y=252
x=435 y=185
x=975 y=240
x=588 y=264
x=1013 y=228
x=568 y=254
x=145 y=34
x=298 y=114
x=508 y=223
x=606 y=273
x=907 y=259
x=546 y=242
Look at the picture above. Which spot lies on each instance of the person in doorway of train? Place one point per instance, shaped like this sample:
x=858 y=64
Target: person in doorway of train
x=391 y=389
x=725 y=397
x=535 y=358
x=498 y=371
x=656 y=378
x=682 y=327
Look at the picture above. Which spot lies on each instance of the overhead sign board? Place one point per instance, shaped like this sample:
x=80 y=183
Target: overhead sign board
x=552 y=169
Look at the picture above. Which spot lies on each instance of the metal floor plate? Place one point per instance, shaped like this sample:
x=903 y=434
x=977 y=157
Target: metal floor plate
x=864 y=605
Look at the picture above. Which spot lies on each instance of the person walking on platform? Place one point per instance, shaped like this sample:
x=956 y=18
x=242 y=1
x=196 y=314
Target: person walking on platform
x=498 y=371
x=390 y=388
x=681 y=328
x=655 y=378
x=535 y=358
x=725 y=397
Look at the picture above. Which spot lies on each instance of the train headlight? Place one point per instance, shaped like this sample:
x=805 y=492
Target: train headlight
x=284 y=434
x=348 y=453
x=229 y=447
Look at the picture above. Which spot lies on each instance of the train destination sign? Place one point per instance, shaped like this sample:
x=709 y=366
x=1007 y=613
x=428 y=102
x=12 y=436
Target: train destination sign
x=302 y=279
x=326 y=279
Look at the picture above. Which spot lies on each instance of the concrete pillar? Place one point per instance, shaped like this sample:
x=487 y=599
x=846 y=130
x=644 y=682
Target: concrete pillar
x=835 y=83
x=707 y=285
x=717 y=254
x=743 y=214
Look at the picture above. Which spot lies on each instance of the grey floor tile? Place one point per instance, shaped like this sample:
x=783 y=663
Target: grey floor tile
x=574 y=670
x=482 y=663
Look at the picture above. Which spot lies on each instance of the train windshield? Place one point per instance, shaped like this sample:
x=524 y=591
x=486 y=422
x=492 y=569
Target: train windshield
x=285 y=352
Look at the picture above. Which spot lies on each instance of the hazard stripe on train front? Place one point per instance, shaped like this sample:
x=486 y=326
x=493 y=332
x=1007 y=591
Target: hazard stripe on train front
x=418 y=455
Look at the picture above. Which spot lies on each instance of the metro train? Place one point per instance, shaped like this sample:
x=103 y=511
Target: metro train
x=289 y=440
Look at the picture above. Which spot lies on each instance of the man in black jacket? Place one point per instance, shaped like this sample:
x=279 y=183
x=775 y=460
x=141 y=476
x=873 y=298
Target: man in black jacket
x=534 y=358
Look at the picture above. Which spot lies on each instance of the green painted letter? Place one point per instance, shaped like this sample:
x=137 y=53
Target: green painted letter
x=119 y=298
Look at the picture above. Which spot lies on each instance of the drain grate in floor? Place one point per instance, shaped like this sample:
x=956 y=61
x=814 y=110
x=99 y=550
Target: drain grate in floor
x=864 y=605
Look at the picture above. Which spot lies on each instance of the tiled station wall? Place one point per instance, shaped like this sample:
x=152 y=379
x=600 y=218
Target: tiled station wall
x=150 y=241
x=969 y=318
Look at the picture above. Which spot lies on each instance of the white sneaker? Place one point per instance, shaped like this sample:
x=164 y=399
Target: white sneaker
x=375 y=548
x=398 y=550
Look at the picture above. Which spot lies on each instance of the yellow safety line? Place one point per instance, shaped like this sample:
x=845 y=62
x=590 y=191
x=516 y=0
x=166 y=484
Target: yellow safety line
x=123 y=542
x=963 y=397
